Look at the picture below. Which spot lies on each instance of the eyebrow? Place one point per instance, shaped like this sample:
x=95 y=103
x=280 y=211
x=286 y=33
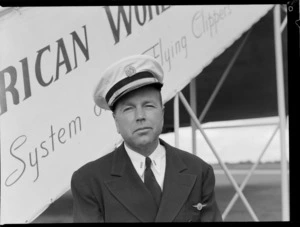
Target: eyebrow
x=128 y=103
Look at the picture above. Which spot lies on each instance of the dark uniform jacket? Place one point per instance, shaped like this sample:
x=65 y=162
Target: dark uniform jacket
x=110 y=190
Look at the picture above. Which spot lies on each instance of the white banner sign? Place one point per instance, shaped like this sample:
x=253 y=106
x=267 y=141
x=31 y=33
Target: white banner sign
x=50 y=61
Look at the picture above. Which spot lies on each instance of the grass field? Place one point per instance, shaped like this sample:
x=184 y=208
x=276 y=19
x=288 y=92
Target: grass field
x=264 y=198
x=263 y=193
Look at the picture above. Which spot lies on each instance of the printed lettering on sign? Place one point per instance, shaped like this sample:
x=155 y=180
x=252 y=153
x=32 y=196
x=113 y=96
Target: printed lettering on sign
x=9 y=75
x=42 y=150
x=127 y=16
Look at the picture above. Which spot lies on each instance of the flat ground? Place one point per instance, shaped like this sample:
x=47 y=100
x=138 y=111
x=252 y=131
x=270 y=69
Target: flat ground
x=263 y=193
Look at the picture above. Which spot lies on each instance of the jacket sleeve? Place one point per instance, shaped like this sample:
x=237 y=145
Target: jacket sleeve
x=210 y=212
x=85 y=205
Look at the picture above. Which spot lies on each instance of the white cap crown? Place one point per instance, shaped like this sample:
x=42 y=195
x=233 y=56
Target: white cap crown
x=126 y=75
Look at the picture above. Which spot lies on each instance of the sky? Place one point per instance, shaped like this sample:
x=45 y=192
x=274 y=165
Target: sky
x=234 y=144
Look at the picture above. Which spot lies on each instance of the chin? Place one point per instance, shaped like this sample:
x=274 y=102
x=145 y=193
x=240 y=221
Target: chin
x=143 y=142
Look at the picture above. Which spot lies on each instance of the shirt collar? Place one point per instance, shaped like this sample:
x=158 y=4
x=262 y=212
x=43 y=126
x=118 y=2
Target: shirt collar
x=157 y=156
x=138 y=160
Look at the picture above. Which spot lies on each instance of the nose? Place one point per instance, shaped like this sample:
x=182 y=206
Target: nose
x=140 y=114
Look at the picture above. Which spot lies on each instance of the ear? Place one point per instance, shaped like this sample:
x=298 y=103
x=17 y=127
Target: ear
x=116 y=122
x=163 y=114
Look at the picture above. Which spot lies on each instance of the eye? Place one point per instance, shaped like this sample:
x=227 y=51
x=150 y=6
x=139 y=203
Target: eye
x=149 y=105
x=127 y=108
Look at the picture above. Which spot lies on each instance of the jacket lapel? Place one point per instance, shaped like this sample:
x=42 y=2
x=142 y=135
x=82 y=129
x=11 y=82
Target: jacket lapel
x=177 y=186
x=129 y=189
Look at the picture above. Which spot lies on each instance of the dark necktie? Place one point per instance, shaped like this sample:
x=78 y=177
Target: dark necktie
x=151 y=183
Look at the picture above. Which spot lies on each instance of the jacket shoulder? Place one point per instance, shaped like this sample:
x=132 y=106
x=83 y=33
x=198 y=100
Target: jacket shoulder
x=98 y=167
x=191 y=161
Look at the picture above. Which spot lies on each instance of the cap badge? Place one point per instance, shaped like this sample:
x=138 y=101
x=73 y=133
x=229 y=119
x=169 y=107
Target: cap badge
x=129 y=70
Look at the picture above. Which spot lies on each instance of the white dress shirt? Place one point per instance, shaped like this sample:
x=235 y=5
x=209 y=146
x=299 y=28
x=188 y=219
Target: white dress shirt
x=158 y=166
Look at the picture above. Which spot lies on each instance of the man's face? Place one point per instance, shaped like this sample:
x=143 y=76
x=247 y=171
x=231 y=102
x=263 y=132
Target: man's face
x=139 y=118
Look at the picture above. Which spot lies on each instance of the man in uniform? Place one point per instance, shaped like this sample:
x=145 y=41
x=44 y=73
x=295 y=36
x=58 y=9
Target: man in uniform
x=144 y=179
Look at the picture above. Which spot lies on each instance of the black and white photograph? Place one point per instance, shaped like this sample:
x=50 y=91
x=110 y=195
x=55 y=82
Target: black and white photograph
x=146 y=113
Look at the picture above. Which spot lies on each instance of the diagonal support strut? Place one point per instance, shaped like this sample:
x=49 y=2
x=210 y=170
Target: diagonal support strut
x=231 y=179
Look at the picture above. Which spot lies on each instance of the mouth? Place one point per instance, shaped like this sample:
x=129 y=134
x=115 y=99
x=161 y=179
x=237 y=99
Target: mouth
x=144 y=129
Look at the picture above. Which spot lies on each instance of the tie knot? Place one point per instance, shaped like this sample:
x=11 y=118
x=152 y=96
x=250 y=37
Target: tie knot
x=148 y=162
